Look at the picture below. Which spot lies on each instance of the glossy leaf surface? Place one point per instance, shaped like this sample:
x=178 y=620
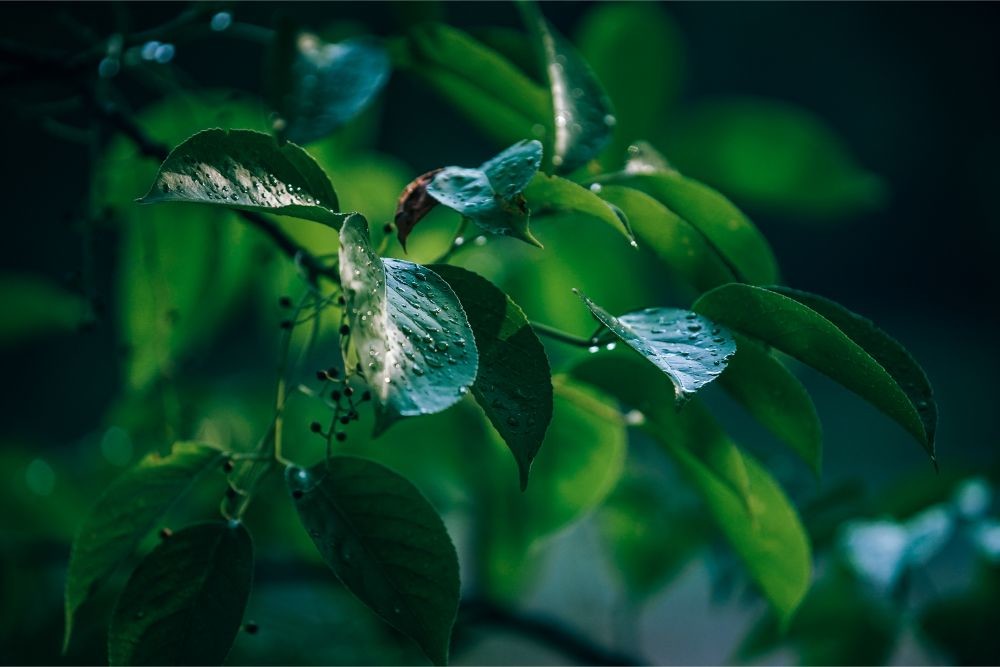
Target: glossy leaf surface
x=553 y=195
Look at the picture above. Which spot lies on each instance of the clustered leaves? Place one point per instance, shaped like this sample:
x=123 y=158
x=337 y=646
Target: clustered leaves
x=417 y=340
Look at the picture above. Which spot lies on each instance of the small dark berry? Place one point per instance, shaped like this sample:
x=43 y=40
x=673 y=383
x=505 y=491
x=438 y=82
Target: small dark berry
x=315 y=427
x=322 y=376
x=285 y=302
x=344 y=329
x=341 y=436
x=286 y=324
x=348 y=391
x=345 y=420
x=296 y=494
x=228 y=466
x=335 y=395
x=341 y=301
x=230 y=493
x=367 y=396
x=251 y=628
x=166 y=533
x=387 y=228
x=333 y=372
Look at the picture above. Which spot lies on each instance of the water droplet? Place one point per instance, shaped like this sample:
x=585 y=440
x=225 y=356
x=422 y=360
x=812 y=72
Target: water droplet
x=596 y=187
x=593 y=349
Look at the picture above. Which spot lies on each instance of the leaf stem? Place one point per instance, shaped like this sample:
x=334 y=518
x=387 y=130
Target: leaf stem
x=457 y=242
x=564 y=337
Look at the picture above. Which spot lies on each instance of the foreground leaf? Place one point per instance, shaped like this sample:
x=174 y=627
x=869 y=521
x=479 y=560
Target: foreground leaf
x=385 y=542
x=582 y=113
x=762 y=527
x=552 y=195
x=417 y=350
x=126 y=513
x=491 y=196
x=319 y=86
x=248 y=171
x=690 y=349
x=775 y=398
x=795 y=328
x=514 y=384
x=184 y=603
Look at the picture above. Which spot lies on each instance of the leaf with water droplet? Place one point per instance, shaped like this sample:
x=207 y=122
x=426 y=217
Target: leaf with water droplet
x=514 y=384
x=562 y=198
x=247 y=171
x=401 y=561
x=691 y=349
x=742 y=498
x=834 y=341
x=398 y=344
x=491 y=195
x=183 y=604
x=118 y=522
x=583 y=119
x=317 y=87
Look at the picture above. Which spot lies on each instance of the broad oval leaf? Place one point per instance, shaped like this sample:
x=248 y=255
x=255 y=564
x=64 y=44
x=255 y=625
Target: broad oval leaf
x=582 y=115
x=775 y=398
x=491 y=195
x=774 y=156
x=319 y=86
x=738 y=242
x=673 y=239
x=514 y=384
x=690 y=349
x=385 y=542
x=762 y=526
x=553 y=195
x=417 y=350
x=852 y=356
x=126 y=512
x=184 y=603
x=484 y=86
x=248 y=171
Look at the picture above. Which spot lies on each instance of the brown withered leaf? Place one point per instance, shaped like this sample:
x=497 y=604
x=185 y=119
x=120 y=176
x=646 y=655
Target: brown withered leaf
x=414 y=203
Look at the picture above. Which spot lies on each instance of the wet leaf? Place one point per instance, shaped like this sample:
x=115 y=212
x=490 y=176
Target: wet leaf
x=319 y=86
x=247 y=171
x=184 y=603
x=690 y=349
x=126 y=512
x=514 y=384
x=556 y=196
x=582 y=117
x=417 y=350
x=852 y=356
x=385 y=542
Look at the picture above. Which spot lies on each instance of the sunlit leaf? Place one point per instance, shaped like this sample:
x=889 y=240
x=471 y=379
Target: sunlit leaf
x=318 y=86
x=492 y=93
x=852 y=356
x=184 y=603
x=775 y=398
x=772 y=155
x=249 y=171
x=690 y=349
x=416 y=348
x=553 y=195
x=385 y=542
x=126 y=512
x=514 y=385
x=491 y=196
x=41 y=308
x=737 y=241
x=760 y=523
x=582 y=119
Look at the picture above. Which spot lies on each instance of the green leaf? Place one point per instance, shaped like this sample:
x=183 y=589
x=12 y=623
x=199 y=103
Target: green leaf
x=553 y=195
x=737 y=241
x=761 y=526
x=636 y=51
x=38 y=307
x=690 y=349
x=417 y=350
x=579 y=464
x=491 y=196
x=385 y=542
x=126 y=512
x=673 y=239
x=775 y=398
x=514 y=384
x=247 y=171
x=582 y=119
x=851 y=357
x=772 y=155
x=476 y=80
x=184 y=603
x=648 y=538
x=317 y=86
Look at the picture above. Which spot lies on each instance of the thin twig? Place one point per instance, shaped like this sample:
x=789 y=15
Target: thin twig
x=562 y=336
